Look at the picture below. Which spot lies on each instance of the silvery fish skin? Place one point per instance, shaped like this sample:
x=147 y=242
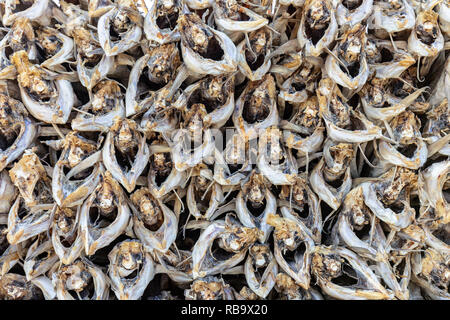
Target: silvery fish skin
x=76 y=277
x=433 y=262
x=274 y=161
x=89 y=77
x=215 y=91
x=92 y=64
x=395 y=278
x=194 y=141
x=340 y=118
x=434 y=178
x=288 y=236
x=255 y=195
x=298 y=87
x=123 y=137
x=107 y=197
x=304 y=131
x=232 y=17
x=18 y=130
x=401 y=58
x=406 y=133
x=162 y=31
x=394 y=16
x=404 y=178
x=204 y=192
x=286 y=59
x=46 y=286
x=50 y=101
x=58 y=50
x=125 y=258
x=7 y=192
x=78 y=155
x=353 y=57
x=349 y=12
x=260 y=256
x=296 y=3
x=444 y=20
x=326 y=265
x=159 y=117
x=193 y=49
x=441 y=92
x=331 y=195
x=381 y=105
x=235 y=155
x=199 y=4
x=9 y=258
x=160 y=65
x=115 y=18
x=299 y=203
x=162 y=166
x=106 y=105
x=224 y=149
x=36 y=10
x=153 y=222
x=233 y=237
x=97 y=8
x=35 y=266
x=23 y=228
x=317 y=10
x=256 y=107
x=65 y=234
x=419 y=42
x=30 y=178
x=177 y=267
x=21 y=36
x=254 y=61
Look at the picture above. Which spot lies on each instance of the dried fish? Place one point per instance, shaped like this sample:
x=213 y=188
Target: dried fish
x=119 y=29
x=329 y=264
x=66 y=236
x=204 y=49
x=350 y=52
x=17 y=130
x=260 y=269
x=318 y=27
x=230 y=16
x=153 y=222
x=254 y=203
x=106 y=105
x=228 y=236
x=224 y=149
x=46 y=99
x=80 y=158
x=111 y=220
x=256 y=107
x=209 y=288
x=78 y=278
x=160 y=24
x=125 y=153
x=289 y=237
x=131 y=269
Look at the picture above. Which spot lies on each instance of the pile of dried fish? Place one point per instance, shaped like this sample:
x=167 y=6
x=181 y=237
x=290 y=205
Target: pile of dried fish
x=224 y=149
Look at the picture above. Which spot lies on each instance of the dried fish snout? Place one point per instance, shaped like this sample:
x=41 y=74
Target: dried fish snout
x=48 y=100
x=131 y=269
x=205 y=50
x=224 y=149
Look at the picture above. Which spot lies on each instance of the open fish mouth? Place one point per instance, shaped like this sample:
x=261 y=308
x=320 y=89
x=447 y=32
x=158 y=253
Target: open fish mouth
x=224 y=150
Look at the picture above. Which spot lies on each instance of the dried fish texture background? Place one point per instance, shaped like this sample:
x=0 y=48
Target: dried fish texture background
x=224 y=149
